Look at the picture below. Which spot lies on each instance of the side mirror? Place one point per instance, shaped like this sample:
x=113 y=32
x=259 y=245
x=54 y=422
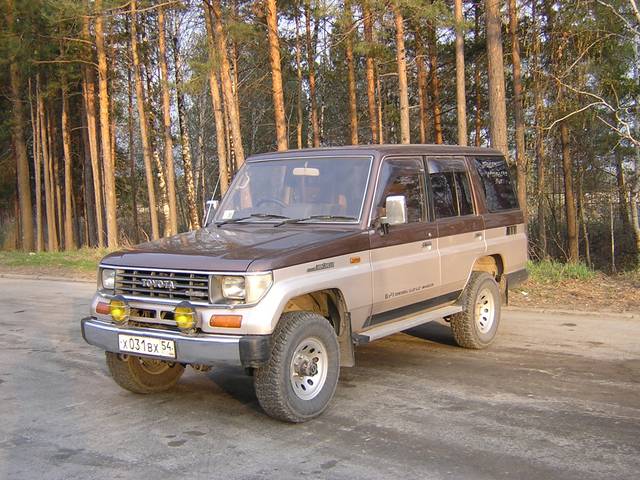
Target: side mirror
x=210 y=210
x=396 y=207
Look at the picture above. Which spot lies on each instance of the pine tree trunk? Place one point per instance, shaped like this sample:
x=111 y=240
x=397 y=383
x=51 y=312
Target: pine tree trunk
x=87 y=178
x=435 y=85
x=351 y=74
x=311 y=62
x=37 y=169
x=55 y=176
x=52 y=237
x=497 y=105
x=20 y=146
x=403 y=90
x=172 y=227
x=299 y=109
x=218 y=108
x=423 y=97
x=276 y=74
x=539 y=137
x=476 y=82
x=461 y=96
x=105 y=132
x=570 y=204
x=381 y=133
x=89 y=94
x=69 y=240
x=518 y=112
x=635 y=203
x=132 y=163
x=185 y=144
x=227 y=88
x=370 y=70
x=144 y=125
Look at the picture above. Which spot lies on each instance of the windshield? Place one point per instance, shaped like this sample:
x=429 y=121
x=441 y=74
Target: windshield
x=305 y=189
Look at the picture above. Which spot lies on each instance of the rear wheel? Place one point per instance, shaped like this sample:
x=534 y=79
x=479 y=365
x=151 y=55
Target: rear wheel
x=143 y=375
x=476 y=326
x=300 y=377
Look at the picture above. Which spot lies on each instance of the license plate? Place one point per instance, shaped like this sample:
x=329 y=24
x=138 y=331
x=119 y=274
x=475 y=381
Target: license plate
x=147 y=346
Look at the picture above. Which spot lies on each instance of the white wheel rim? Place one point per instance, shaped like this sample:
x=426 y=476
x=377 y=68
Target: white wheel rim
x=308 y=369
x=485 y=311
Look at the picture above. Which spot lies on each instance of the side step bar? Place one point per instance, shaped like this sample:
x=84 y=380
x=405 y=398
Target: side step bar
x=374 y=333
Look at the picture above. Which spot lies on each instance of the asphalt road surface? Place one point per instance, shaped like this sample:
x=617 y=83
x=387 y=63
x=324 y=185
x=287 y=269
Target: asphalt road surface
x=555 y=397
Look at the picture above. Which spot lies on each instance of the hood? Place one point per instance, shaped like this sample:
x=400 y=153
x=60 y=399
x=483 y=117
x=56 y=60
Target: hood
x=236 y=248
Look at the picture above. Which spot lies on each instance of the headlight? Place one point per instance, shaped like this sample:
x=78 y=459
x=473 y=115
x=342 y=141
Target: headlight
x=239 y=290
x=108 y=279
x=233 y=288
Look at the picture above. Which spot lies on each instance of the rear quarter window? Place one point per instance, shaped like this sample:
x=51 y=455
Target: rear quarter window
x=496 y=183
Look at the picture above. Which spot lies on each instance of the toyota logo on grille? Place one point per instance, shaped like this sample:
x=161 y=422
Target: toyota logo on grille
x=158 y=283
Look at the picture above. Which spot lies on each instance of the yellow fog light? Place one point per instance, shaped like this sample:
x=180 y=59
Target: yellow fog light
x=185 y=318
x=119 y=310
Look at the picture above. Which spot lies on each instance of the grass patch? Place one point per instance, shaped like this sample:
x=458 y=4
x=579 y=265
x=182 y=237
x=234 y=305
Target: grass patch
x=552 y=271
x=85 y=259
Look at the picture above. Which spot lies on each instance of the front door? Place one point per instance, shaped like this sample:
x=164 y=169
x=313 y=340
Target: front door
x=405 y=260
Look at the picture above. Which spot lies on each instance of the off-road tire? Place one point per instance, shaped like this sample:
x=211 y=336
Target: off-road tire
x=128 y=372
x=272 y=381
x=466 y=330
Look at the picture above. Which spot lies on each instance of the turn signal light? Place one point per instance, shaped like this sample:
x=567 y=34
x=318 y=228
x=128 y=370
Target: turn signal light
x=119 y=310
x=185 y=318
x=226 y=321
x=103 y=308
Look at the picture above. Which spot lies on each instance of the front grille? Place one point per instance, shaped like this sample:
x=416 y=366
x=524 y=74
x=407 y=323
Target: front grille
x=179 y=286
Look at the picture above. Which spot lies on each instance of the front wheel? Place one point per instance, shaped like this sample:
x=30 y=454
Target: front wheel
x=300 y=377
x=476 y=326
x=143 y=375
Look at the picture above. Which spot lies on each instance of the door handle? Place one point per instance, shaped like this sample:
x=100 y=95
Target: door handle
x=427 y=245
x=479 y=236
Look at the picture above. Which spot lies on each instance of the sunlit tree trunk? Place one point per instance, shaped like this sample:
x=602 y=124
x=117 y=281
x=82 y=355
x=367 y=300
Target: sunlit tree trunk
x=367 y=19
x=69 y=240
x=461 y=97
x=539 y=138
x=271 y=14
x=89 y=94
x=405 y=127
x=476 y=83
x=435 y=84
x=105 y=132
x=497 y=105
x=218 y=108
x=187 y=162
x=311 y=64
x=172 y=227
x=569 y=198
x=132 y=162
x=20 y=146
x=52 y=236
x=518 y=112
x=299 y=109
x=227 y=89
x=144 y=125
x=351 y=74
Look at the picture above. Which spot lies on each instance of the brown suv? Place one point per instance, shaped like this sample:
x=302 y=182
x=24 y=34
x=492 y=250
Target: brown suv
x=309 y=254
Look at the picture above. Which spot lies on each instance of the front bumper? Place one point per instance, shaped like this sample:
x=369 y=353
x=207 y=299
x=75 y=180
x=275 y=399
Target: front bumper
x=203 y=348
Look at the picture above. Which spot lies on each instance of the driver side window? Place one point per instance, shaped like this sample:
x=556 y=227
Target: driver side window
x=402 y=177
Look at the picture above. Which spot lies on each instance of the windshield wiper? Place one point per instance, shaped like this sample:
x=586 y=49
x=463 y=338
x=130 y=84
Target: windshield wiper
x=253 y=215
x=315 y=217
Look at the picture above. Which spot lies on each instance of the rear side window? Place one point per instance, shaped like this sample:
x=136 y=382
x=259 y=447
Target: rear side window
x=496 y=183
x=450 y=188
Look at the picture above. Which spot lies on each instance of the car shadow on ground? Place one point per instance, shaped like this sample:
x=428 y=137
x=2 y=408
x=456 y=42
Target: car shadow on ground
x=434 y=332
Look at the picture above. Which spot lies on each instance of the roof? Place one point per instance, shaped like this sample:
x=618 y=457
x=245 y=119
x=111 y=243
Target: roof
x=378 y=150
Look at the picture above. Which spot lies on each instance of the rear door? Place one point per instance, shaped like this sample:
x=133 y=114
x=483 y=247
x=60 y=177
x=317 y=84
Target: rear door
x=460 y=229
x=405 y=261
